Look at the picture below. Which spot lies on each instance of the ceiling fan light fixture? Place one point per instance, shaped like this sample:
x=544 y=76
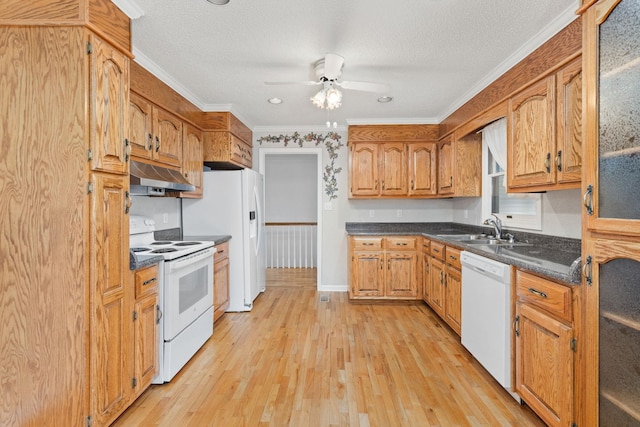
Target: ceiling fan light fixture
x=319 y=98
x=334 y=98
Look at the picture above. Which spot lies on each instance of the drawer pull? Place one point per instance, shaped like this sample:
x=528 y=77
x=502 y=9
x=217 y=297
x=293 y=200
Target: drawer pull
x=436 y=250
x=400 y=244
x=537 y=292
x=453 y=258
x=221 y=251
x=367 y=244
x=150 y=281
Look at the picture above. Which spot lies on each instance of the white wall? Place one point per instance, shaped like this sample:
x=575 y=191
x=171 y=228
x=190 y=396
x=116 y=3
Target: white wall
x=291 y=181
x=159 y=209
x=561 y=213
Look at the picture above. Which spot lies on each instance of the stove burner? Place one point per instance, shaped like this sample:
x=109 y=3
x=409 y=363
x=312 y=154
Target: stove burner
x=140 y=249
x=186 y=243
x=161 y=243
x=164 y=250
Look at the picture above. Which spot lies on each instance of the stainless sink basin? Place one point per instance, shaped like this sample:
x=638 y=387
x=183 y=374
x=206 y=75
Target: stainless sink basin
x=463 y=236
x=480 y=239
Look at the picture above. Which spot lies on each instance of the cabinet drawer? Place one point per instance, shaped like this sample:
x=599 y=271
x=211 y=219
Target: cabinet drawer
x=222 y=252
x=367 y=243
x=452 y=256
x=146 y=281
x=401 y=243
x=437 y=250
x=426 y=246
x=550 y=296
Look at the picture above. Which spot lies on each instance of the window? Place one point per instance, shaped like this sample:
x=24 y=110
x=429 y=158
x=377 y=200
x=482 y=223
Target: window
x=517 y=210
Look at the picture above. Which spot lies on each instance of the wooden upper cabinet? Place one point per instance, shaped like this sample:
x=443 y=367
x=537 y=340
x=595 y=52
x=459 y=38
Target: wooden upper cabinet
x=140 y=127
x=227 y=141
x=192 y=167
x=393 y=169
x=392 y=161
x=445 y=166
x=364 y=171
x=460 y=166
x=531 y=133
x=568 y=158
x=156 y=135
x=423 y=168
x=167 y=138
x=544 y=142
x=109 y=98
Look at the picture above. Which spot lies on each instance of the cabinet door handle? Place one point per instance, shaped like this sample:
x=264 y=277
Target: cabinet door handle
x=148 y=282
x=451 y=181
x=516 y=325
x=388 y=264
x=127 y=149
x=383 y=184
x=537 y=292
x=587 y=270
x=587 y=199
x=149 y=142
x=559 y=161
x=375 y=186
x=547 y=162
x=127 y=206
x=157 y=143
x=158 y=314
x=412 y=186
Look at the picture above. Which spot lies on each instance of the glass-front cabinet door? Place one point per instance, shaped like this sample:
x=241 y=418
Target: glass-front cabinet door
x=611 y=53
x=612 y=276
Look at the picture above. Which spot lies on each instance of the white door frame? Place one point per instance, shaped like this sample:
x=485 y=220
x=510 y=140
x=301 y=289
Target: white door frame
x=307 y=151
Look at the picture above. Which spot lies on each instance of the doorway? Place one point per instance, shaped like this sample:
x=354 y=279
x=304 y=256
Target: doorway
x=293 y=215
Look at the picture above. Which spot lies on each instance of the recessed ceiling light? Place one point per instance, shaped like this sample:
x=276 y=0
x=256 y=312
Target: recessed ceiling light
x=385 y=99
x=274 y=100
x=219 y=2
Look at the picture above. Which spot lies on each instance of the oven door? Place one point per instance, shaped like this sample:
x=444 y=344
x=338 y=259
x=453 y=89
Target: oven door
x=188 y=290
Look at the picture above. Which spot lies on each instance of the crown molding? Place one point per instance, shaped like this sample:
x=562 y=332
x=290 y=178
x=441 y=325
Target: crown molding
x=395 y=121
x=554 y=27
x=130 y=8
x=291 y=129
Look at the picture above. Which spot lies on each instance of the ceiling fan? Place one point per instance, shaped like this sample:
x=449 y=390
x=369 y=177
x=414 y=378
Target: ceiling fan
x=328 y=70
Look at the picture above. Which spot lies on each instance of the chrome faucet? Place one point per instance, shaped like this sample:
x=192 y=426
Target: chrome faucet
x=497 y=225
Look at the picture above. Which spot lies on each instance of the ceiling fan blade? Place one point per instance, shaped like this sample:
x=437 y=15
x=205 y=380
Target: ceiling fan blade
x=306 y=83
x=333 y=66
x=365 y=86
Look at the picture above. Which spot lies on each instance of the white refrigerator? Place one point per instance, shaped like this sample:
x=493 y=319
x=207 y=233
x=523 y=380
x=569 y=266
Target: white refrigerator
x=233 y=204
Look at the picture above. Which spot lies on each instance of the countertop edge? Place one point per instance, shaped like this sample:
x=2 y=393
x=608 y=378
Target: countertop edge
x=573 y=276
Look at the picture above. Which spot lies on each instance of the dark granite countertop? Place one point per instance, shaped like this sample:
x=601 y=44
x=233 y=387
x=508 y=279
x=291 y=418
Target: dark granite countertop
x=217 y=239
x=554 y=257
x=136 y=262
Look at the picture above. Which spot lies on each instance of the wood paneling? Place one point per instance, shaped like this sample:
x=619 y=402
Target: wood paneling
x=43 y=314
x=545 y=59
x=101 y=16
x=300 y=361
x=391 y=133
x=153 y=89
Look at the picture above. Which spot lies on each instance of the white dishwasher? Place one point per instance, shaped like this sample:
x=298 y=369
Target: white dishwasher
x=486 y=315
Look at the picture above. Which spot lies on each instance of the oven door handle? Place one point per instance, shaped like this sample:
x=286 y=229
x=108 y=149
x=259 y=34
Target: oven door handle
x=190 y=259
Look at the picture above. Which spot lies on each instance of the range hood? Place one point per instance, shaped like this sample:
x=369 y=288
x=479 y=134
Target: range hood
x=145 y=175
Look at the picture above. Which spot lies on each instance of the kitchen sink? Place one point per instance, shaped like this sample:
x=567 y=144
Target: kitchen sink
x=463 y=236
x=480 y=239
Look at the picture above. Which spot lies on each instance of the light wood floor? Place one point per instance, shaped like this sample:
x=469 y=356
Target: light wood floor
x=298 y=277
x=297 y=360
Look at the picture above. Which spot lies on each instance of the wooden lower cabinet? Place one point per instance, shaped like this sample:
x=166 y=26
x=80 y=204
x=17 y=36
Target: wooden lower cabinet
x=436 y=290
x=443 y=283
x=453 y=290
x=384 y=268
x=146 y=319
x=220 y=280
x=545 y=348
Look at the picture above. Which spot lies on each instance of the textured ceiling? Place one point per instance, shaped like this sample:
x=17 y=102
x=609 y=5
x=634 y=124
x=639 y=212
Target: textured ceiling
x=434 y=54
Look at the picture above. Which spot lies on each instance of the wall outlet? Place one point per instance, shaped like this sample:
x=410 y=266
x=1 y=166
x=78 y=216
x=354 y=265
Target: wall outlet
x=328 y=206
x=399 y=213
x=371 y=213
x=165 y=218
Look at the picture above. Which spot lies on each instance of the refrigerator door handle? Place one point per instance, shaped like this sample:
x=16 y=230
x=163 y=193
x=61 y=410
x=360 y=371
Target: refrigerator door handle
x=258 y=219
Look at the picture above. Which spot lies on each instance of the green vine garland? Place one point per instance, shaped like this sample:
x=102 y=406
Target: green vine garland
x=331 y=142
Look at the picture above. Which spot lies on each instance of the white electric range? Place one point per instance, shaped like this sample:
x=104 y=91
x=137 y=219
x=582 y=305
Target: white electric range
x=185 y=294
